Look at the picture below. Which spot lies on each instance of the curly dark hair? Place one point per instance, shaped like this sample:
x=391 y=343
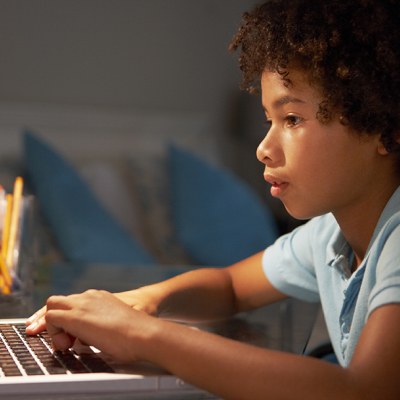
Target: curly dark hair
x=348 y=49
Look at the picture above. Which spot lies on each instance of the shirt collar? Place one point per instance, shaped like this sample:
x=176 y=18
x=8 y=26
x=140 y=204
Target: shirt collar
x=338 y=253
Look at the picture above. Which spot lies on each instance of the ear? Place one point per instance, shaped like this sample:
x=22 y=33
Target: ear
x=382 y=148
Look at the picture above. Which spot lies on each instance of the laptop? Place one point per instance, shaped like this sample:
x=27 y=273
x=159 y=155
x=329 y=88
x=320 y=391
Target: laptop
x=30 y=367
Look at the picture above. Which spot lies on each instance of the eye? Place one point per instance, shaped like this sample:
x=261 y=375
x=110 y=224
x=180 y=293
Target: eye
x=292 y=121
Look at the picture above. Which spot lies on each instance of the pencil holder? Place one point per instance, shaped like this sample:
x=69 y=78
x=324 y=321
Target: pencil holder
x=18 y=303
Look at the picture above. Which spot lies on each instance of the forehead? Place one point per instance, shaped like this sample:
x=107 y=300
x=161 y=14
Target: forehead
x=276 y=90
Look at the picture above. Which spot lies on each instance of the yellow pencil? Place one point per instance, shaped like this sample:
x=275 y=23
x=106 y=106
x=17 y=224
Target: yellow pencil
x=6 y=225
x=4 y=285
x=2 y=206
x=5 y=274
x=15 y=218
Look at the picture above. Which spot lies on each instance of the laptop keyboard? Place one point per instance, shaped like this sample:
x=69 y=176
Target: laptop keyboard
x=23 y=355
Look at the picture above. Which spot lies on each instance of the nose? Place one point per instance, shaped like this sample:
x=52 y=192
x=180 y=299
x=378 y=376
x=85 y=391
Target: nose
x=269 y=151
x=261 y=153
x=263 y=150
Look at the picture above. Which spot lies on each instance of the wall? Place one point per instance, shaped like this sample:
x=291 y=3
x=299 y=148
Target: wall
x=126 y=55
x=168 y=56
x=151 y=54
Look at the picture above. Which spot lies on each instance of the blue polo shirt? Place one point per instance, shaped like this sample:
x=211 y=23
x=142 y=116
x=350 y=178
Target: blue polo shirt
x=312 y=263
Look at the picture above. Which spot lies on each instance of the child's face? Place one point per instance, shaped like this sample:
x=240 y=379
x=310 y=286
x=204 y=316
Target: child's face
x=313 y=168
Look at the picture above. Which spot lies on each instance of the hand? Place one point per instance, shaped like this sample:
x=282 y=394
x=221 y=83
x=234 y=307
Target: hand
x=139 y=299
x=142 y=299
x=97 y=318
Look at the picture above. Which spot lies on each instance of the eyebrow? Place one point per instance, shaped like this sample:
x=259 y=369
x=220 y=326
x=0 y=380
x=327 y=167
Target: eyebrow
x=285 y=100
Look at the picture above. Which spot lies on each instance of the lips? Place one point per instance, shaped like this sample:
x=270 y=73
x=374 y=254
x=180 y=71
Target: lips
x=277 y=185
x=273 y=180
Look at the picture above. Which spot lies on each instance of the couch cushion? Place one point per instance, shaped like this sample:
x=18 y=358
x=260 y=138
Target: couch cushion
x=84 y=230
x=219 y=219
x=109 y=182
x=150 y=188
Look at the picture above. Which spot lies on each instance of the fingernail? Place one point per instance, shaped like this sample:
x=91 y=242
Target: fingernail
x=31 y=319
x=32 y=326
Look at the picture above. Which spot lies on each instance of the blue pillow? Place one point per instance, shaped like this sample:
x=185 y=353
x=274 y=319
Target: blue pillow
x=84 y=229
x=218 y=218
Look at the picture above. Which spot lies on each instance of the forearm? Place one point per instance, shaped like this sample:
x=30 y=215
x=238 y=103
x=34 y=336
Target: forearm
x=208 y=293
x=222 y=366
x=235 y=370
x=196 y=295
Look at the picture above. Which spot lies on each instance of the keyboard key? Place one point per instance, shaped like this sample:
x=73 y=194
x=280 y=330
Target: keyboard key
x=28 y=349
x=94 y=363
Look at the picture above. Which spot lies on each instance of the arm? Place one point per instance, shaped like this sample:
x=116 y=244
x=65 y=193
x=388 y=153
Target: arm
x=233 y=370
x=227 y=368
x=207 y=293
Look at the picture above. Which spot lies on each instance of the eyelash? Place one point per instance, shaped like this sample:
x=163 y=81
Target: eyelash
x=291 y=121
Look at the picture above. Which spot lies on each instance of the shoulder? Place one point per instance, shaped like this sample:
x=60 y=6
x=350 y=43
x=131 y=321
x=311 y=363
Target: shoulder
x=388 y=237
x=382 y=262
x=316 y=232
x=383 y=266
x=291 y=263
x=392 y=224
x=324 y=225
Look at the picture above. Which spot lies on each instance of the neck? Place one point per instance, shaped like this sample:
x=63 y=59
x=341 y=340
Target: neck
x=359 y=222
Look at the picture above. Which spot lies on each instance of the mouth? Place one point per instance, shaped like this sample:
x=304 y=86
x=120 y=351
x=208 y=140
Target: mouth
x=273 y=181
x=277 y=185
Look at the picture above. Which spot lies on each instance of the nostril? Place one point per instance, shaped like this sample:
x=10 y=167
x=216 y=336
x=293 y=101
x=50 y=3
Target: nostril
x=262 y=154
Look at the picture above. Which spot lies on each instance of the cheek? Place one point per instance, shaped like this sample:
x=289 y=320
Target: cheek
x=316 y=162
x=305 y=157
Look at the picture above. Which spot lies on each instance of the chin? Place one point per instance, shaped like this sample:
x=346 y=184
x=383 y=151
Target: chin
x=301 y=213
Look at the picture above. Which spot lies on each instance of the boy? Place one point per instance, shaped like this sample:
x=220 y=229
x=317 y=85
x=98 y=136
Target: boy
x=330 y=83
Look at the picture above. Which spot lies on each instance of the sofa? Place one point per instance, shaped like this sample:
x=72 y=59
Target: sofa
x=130 y=188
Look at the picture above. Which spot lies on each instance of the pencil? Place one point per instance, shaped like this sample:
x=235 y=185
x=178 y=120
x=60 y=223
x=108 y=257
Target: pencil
x=5 y=274
x=15 y=218
x=2 y=286
x=5 y=279
x=2 y=206
x=6 y=226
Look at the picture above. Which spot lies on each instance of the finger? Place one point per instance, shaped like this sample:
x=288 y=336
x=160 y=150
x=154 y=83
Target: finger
x=37 y=323
x=36 y=316
x=61 y=340
x=58 y=302
x=36 y=326
x=54 y=319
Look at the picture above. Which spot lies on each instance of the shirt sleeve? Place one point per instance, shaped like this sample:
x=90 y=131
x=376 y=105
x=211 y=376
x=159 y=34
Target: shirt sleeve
x=289 y=263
